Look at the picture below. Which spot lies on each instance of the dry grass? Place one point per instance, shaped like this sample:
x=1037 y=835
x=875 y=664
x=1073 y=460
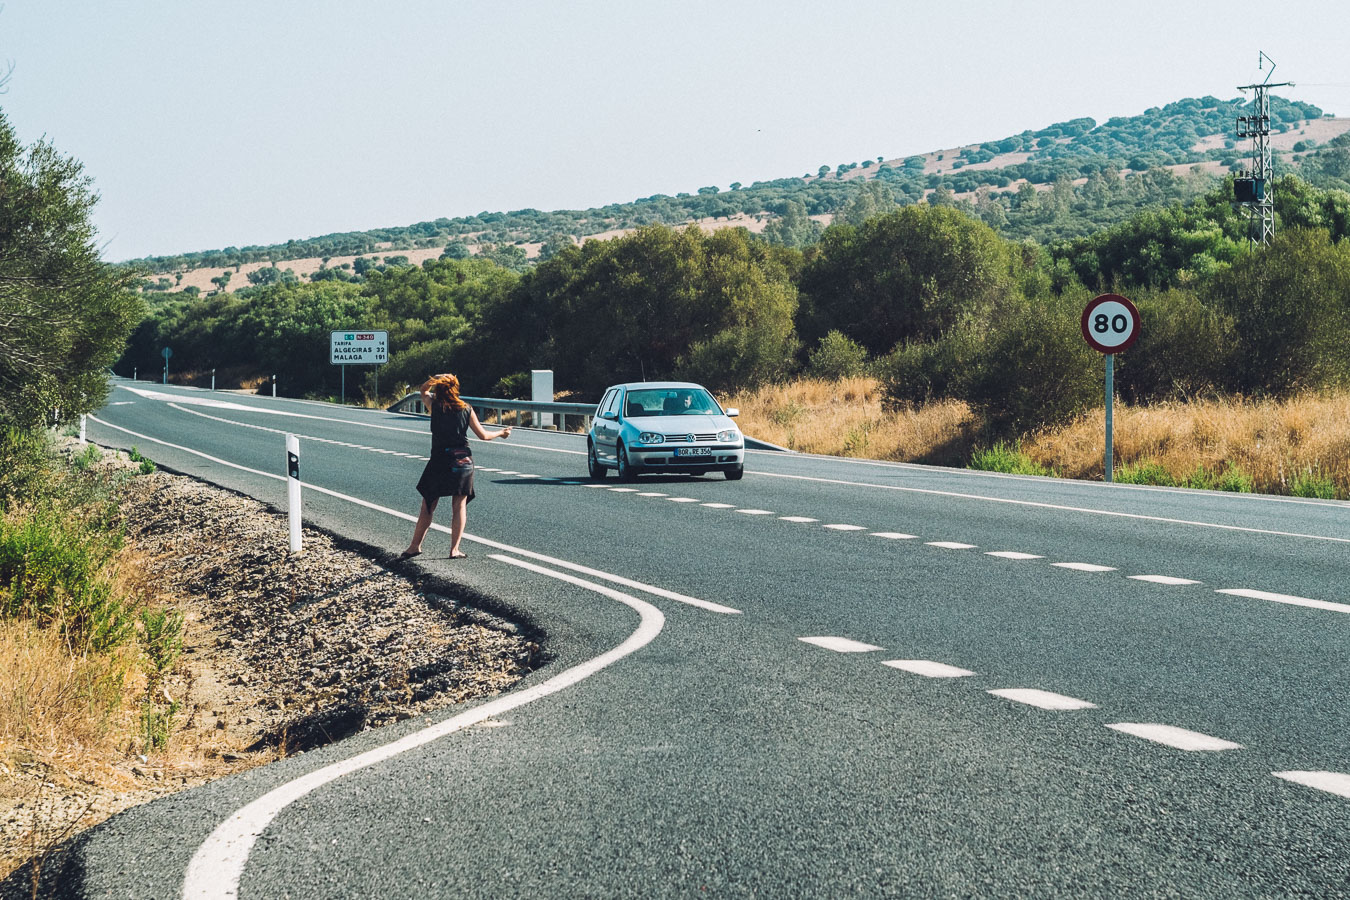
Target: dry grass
x=1273 y=441
x=1270 y=440
x=848 y=418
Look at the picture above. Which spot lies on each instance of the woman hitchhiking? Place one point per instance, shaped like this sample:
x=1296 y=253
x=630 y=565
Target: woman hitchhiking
x=449 y=472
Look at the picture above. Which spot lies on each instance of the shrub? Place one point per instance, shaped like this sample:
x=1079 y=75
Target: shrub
x=1308 y=483
x=1231 y=479
x=1144 y=473
x=837 y=357
x=1009 y=459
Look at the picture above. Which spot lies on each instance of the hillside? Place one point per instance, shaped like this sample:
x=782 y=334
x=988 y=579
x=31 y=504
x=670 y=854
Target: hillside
x=1162 y=156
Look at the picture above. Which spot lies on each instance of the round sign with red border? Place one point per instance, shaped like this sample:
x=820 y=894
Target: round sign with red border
x=1110 y=323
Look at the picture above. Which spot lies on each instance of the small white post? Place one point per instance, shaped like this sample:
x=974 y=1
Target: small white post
x=213 y=379
x=293 y=488
x=82 y=440
x=274 y=385
x=133 y=373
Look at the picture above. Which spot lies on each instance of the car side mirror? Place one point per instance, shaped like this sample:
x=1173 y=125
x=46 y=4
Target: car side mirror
x=732 y=412
x=609 y=415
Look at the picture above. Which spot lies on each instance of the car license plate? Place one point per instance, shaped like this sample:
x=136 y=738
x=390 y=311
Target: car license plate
x=693 y=451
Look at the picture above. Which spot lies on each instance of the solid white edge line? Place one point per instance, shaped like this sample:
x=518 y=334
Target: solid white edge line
x=1056 y=506
x=218 y=864
x=553 y=561
x=1285 y=598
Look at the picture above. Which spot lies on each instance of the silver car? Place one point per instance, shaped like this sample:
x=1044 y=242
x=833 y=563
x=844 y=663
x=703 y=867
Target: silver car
x=663 y=426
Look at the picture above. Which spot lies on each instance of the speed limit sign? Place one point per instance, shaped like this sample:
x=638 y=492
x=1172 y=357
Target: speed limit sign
x=1110 y=323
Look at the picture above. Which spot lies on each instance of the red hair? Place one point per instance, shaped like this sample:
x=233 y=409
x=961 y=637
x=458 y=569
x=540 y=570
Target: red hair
x=445 y=393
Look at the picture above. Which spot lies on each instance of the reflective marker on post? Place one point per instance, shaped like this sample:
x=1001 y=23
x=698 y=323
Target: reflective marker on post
x=293 y=488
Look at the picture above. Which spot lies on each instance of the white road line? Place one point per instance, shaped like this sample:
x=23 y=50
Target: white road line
x=1084 y=567
x=1162 y=579
x=506 y=472
x=529 y=554
x=1042 y=699
x=1012 y=554
x=840 y=644
x=524 y=475
x=927 y=668
x=951 y=545
x=594 y=485
x=718 y=505
x=652 y=494
x=1285 y=598
x=682 y=499
x=1174 y=737
x=1058 y=506
x=219 y=863
x=756 y=512
x=1337 y=783
x=894 y=535
x=798 y=519
x=624 y=490
x=844 y=527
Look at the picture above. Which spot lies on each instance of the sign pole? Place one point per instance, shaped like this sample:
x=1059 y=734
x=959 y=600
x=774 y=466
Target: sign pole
x=344 y=384
x=1110 y=398
x=293 y=489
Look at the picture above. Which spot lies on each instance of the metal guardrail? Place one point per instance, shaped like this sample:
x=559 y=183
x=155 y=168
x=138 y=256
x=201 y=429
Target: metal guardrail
x=536 y=410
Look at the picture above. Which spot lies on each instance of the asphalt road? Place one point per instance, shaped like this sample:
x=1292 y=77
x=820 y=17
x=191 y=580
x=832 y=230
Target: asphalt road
x=785 y=686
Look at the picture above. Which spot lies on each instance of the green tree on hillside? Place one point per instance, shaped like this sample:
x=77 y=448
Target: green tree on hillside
x=64 y=314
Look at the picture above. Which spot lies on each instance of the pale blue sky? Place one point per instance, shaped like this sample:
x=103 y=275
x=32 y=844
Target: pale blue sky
x=209 y=125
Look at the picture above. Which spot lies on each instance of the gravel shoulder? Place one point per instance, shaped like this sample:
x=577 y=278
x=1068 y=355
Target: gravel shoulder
x=281 y=654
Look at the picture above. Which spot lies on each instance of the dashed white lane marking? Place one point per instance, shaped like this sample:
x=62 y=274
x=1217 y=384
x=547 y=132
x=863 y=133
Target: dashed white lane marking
x=506 y=472
x=1084 y=567
x=682 y=499
x=1012 y=554
x=840 y=644
x=756 y=512
x=798 y=519
x=895 y=536
x=951 y=545
x=487 y=469
x=218 y=864
x=1336 y=783
x=1042 y=699
x=928 y=668
x=1285 y=598
x=718 y=505
x=652 y=494
x=525 y=475
x=845 y=527
x=1174 y=737
x=1162 y=579
x=595 y=485
x=624 y=490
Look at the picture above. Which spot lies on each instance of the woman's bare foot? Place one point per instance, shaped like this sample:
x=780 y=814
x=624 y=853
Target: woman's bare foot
x=456 y=554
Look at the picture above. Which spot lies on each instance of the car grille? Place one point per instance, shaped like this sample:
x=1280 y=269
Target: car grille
x=684 y=438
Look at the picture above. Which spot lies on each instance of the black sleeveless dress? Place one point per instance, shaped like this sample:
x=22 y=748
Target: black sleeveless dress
x=449 y=472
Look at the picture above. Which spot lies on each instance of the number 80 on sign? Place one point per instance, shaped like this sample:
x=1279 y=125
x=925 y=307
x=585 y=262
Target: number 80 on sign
x=1110 y=323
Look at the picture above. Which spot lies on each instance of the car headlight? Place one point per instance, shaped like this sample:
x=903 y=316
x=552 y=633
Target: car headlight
x=651 y=437
x=728 y=436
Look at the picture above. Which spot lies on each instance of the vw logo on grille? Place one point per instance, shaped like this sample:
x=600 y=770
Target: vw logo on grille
x=689 y=438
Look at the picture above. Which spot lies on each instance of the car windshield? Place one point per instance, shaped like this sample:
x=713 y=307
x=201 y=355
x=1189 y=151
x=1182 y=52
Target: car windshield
x=671 y=402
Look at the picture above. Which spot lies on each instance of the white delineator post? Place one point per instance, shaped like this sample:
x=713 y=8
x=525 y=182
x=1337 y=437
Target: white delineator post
x=293 y=488
x=82 y=438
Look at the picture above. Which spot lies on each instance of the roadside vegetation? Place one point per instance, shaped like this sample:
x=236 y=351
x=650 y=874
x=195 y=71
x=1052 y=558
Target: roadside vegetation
x=1298 y=446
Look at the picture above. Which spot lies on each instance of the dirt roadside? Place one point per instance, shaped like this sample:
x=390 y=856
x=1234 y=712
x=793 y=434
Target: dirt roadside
x=281 y=654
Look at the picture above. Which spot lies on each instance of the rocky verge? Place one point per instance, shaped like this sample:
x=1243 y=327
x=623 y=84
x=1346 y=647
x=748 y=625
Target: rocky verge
x=281 y=654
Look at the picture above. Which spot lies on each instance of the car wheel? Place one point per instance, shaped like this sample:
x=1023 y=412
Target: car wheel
x=593 y=462
x=734 y=473
x=626 y=472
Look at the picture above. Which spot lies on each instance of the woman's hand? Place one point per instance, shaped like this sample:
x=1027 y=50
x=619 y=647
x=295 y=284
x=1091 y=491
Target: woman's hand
x=506 y=432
